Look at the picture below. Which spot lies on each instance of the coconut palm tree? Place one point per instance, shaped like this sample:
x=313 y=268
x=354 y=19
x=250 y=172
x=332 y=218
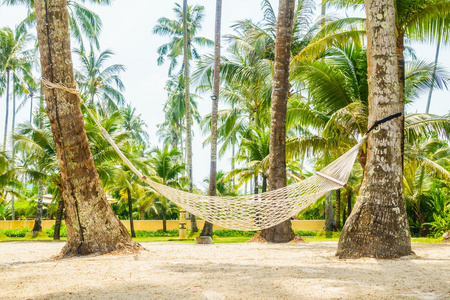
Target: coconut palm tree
x=15 y=63
x=81 y=184
x=364 y=234
x=83 y=22
x=425 y=159
x=100 y=83
x=167 y=166
x=173 y=28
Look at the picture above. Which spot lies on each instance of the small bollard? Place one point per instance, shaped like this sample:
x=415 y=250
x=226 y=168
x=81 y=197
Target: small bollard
x=204 y=240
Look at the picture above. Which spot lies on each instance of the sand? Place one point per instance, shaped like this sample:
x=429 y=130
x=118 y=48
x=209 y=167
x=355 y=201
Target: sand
x=221 y=271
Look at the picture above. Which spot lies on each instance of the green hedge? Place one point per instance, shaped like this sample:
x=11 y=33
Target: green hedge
x=16 y=232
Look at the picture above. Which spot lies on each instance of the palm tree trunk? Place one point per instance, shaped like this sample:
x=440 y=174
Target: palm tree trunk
x=59 y=215
x=194 y=227
x=330 y=224
x=84 y=199
x=208 y=227
x=436 y=59
x=31 y=108
x=337 y=213
x=5 y=136
x=283 y=232
x=378 y=226
x=264 y=184
x=142 y=213
x=13 y=199
x=349 y=202
x=256 y=183
x=130 y=213
x=38 y=220
x=164 y=218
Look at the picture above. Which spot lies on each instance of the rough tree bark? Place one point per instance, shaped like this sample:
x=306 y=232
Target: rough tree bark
x=130 y=213
x=208 y=227
x=330 y=223
x=337 y=212
x=378 y=226
x=38 y=220
x=92 y=226
x=58 y=220
x=283 y=232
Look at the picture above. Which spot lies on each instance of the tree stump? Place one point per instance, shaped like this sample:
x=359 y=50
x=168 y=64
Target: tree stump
x=204 y=240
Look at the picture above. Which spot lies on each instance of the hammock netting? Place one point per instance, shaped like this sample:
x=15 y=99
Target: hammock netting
x=249 y=212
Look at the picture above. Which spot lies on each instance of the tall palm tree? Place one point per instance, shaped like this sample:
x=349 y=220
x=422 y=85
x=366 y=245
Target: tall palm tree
x=174 y=28
x=83 y=22
x=277 y=159
x=15 y=62
x=168 y=168
x=378 y=226
x=101 y=84
x=208 y=227
x=83 y=194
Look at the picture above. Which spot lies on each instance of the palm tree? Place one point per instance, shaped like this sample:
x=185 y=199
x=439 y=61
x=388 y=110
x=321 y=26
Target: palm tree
x=183 y=30
x=168 y=168
x=175 y=30
x=101 y=84
x=15 y=62
x=254 y=151
x=424 y=161
x=378 y=227
x=280 y=93
x=83 y=22
x=135 y=125
x=208 y=227
x=84 y=198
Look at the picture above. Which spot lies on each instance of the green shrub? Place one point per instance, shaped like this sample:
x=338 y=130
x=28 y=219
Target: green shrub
x=329 y=234
x=16 y=232
x=156 y=233
x=306 y=232
x=232 y=232
x=62 y=233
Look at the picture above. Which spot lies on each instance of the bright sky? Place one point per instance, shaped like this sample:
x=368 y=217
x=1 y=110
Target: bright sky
x=127 y=30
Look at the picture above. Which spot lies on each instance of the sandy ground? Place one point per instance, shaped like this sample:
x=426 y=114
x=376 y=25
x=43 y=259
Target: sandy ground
x=221 y=271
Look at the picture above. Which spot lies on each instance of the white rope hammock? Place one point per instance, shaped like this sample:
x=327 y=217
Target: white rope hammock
x=249 y=212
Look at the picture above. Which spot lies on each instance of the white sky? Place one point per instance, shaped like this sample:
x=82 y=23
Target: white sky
x=127 y=30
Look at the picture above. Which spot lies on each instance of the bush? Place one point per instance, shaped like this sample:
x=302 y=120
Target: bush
x=156 y=233
x=232 y=232
x=329 y=234
x=62 y=233
x=306 y=232
x=16 y=232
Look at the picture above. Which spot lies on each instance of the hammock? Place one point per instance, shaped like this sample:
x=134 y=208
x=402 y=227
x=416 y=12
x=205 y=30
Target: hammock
x=249 y=212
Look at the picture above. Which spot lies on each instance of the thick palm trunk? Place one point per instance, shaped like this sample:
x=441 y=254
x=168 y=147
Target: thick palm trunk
x=330 y=224
x=91 y=224
x=130 y=213
x=337 y=213
x=208 y=227
x=283 y=232
x=378 y=226
x=5 y=135
x=38 y=220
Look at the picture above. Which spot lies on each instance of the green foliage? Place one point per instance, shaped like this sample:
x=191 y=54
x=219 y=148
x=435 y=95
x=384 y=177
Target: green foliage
x=232 y=232
x=306 y=232
x=16 y=232
x=63 y=231
x=156 y=233
x=329 y=234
